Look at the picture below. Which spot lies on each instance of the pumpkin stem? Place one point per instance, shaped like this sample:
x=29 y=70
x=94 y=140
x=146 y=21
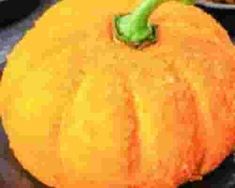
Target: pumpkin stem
x=134 y=28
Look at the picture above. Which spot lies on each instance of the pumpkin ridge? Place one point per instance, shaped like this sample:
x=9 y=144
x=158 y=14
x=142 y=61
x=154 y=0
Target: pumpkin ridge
x=197 y=71
x=198 y=160
x=190 y=72
x=197 y=137
x=191 y=95
x=198 y=129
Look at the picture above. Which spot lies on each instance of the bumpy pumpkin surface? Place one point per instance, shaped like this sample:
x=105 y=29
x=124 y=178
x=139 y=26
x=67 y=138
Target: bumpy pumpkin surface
x=83 y=110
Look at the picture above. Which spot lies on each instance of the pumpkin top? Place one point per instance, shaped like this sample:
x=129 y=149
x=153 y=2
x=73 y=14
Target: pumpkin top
x=134 y=28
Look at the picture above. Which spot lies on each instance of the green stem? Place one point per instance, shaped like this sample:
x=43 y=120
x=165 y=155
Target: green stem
x=134 y=28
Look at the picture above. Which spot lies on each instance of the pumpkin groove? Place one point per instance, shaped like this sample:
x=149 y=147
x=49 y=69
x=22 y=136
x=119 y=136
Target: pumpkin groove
x=134 y=149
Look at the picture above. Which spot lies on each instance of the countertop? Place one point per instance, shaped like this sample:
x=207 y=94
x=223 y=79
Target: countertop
x=12 y=175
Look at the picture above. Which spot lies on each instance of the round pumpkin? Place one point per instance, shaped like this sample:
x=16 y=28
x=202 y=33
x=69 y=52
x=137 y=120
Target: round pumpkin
x=84 y=110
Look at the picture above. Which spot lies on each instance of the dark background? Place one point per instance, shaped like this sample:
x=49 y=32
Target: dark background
x=12 y=175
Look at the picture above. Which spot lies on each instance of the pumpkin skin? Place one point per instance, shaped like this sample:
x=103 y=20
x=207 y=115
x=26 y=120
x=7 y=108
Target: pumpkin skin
x=83 y=110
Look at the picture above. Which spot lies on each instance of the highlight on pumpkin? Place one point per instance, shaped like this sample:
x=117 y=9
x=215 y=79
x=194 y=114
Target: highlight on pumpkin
x=83 y=110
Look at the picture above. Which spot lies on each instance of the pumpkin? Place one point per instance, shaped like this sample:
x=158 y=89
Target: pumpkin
x=82 y=108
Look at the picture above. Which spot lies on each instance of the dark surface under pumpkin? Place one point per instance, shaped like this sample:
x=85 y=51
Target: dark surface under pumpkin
x=13 y=10
x=12 y=173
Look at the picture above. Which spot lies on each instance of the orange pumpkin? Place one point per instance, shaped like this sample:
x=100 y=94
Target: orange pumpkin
x=84 y=110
